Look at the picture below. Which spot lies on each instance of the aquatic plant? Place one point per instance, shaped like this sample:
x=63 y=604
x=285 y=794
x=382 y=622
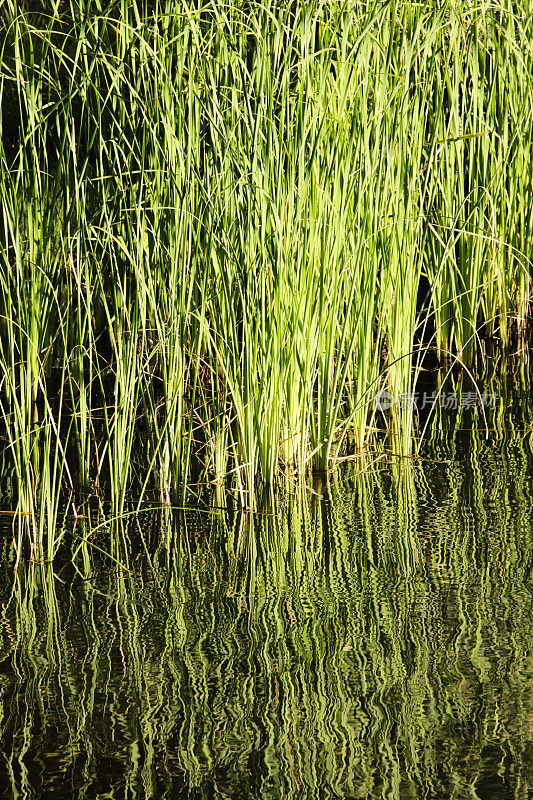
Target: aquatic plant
x=225 y=227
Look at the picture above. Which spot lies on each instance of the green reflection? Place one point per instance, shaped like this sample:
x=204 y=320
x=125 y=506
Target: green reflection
x=368 y=640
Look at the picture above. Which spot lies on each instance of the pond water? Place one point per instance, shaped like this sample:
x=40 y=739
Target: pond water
x=368 y=641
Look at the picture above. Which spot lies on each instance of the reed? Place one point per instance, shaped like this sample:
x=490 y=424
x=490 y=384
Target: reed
x=225 y=227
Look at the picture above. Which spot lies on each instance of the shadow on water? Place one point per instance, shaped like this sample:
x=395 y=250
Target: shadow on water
x=372 y=642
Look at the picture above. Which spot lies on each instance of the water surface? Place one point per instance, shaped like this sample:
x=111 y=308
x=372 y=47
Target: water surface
x=368 y=641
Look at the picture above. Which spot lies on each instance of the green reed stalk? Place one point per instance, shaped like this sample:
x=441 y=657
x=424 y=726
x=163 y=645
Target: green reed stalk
x=244 y=221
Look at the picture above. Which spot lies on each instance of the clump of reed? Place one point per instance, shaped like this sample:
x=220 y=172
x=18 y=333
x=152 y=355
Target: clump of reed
x=225 y=227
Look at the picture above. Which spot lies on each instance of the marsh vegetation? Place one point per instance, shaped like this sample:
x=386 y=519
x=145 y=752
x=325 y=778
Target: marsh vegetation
x=225 y=227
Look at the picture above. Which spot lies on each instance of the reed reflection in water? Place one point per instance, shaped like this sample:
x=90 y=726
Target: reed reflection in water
x=374 y=642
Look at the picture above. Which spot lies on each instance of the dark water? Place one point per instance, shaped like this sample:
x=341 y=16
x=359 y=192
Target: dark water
x=373 y=641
